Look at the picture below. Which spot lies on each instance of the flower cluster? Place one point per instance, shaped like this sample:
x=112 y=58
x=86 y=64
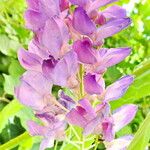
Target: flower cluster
x=66 y=51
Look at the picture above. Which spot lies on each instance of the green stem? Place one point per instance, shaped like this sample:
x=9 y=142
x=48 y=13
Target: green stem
x=55 y=147
x=74 y=131
x=81 y=73
x=96 y=143
x=82 y=146
x=14 y=142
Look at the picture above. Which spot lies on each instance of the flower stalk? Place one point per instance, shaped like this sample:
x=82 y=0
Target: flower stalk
x=81 y=75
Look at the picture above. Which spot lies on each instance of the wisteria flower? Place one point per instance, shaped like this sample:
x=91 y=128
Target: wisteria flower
x=67 y=51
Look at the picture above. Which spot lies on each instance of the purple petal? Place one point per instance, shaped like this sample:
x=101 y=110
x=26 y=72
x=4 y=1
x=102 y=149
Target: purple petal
x=28 y=96
x=71 y=61
x=88 y=107
x=117 y=89
x=92 y=125
x=47 y=143
x=112 y=56
x=99 y=3
x=50 y=7
x=112 y=27
x=36 y=129
x=32 y=20
x=34 y=47
x=66 y=101
x=48 y=66
x=33 y=90
x=29 y=61
x=101 y=20
x=38 y=81
x=107 y=127
x=55 y=34
x=84 y=51
x=103 y=109
x=82 y=23
x=119 y=144
x=58 y=74
x=114 y=12
x=81 y=3
x=91 y=85
x=33 y=4
x=60 y=71
x=124 y=116
x=64 y=4
x=64 y=69
x=76 y=118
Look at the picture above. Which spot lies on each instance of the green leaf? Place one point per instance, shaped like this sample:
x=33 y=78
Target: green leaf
x=112 y=74
x=9 y=84
x=15 y=71
x=7 y=46
x=9 y=111
x=11 y=130
x=26 y=144
x=124 y=131
x=142 y=136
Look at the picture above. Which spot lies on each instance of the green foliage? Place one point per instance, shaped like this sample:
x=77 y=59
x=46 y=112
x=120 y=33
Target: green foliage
x=15 y=127
x=11 y=80
x=142 y=136
x=9 y=111
x=7 y=46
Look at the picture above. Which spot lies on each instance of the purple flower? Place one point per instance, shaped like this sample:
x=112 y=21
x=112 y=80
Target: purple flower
x=29 y=61
x=108 y=28
x=99 y=120
x=80 y=17
x=120 y=143
x=123 y=116
x=51 y=67
x=88 y=118
x=99 y=60
x=66 y=101
x=96 y=4
x=64 y=4
x=54 y=36
x=86 y=54
x=61 y=71
x=80 y=3
x=117 y=89
x=62 y=40
x=114 y=12
x=95 y=85
x=39 y=11
x=34 y=90
x=107 y=129
x=53 y=129
x=82 y=114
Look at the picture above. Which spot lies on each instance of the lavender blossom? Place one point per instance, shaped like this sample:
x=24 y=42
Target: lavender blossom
x=65 y=39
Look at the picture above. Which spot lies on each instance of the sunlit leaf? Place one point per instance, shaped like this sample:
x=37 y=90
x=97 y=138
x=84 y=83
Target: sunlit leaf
x=142 y=136
x=9 y=111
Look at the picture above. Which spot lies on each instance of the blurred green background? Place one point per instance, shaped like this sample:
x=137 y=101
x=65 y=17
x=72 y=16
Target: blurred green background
x=13 y=35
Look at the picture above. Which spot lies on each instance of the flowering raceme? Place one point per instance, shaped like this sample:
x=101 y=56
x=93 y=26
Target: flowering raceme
x=67 y=51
